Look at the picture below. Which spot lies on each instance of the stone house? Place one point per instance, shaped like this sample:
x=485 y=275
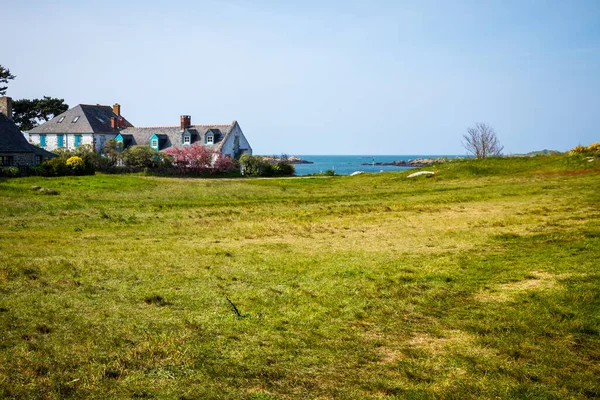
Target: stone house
x=15 y=150
x=88 y=124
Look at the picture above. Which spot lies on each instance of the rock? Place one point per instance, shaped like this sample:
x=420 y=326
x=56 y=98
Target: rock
x=289 y=160
x=417 y=163
x=428 y=173
x=35 y=187
x=48 y=191
x=356 y=173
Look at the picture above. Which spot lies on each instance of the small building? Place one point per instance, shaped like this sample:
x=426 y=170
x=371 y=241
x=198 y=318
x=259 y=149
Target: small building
x=84 y=124
x=15 y=150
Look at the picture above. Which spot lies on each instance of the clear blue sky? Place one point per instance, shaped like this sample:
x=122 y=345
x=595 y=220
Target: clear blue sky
x=322 y=77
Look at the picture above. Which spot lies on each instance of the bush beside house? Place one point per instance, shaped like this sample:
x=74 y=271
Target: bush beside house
x=258 y=166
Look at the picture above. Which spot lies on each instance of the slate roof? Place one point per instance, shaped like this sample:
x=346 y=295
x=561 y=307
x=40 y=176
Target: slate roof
x=171 y=136
x=92 y=119
x=13 y=141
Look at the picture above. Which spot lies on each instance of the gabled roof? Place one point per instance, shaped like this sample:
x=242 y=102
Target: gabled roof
x=172 y=135
x=92 y=119
x=11 y=138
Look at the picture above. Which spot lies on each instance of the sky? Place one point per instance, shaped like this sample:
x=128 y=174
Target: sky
x=329 y=77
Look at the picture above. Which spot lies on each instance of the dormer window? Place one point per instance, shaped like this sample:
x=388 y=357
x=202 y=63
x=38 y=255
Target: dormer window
x=210 y=139
x=75 y=119
x=60 y=120
x=154 y=141
x=186 y=140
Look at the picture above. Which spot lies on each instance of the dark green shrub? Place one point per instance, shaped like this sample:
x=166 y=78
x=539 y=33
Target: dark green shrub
x=145 y=157
x=54 y=167
x=283 y=168
x=258 y=166
x=10 y=172
x=255 y=166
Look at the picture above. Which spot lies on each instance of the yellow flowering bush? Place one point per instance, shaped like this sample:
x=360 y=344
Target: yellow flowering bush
x=594 y=147
x=75 y=162
x=579 y=149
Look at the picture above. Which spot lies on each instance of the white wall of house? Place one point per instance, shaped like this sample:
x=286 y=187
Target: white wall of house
x=229 y=145
x=69 y=140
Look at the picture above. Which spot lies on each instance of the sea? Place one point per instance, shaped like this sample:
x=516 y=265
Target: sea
x=345 y=165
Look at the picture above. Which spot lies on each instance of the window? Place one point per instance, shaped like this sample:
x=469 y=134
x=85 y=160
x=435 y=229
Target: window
x=6 y=161
x=60 y=120
x=43 y=140
x=75 y=119
x=154 y=143
x=60 y=140
x=38 y=160
x=186 y=139
x=77 y=140
x=209 y=139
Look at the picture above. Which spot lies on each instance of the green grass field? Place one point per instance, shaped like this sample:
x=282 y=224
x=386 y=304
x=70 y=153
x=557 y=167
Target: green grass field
x=480 y=282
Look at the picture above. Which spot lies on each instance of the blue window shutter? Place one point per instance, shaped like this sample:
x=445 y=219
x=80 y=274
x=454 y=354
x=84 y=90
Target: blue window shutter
x=77 y=140
x=61 y=140
x=43 y=140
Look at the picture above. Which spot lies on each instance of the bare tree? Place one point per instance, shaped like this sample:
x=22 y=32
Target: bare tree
x=481 y=141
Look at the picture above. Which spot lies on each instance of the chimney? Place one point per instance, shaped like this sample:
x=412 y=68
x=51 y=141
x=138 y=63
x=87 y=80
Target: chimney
x=117 y=109
x=6 y=106
x=113 y=122
x=120 y=122
x=186 y=122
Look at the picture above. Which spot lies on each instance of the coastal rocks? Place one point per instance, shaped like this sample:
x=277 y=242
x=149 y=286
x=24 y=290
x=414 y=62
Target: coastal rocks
x=426 y=173
x=356 y=173
x=297 y=160
x=416 y=163
x=289 y=160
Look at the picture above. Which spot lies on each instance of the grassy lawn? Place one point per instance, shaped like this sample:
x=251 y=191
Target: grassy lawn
x=480 y=282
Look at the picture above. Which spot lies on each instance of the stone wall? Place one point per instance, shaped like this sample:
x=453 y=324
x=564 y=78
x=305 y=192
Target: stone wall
x=22 y=159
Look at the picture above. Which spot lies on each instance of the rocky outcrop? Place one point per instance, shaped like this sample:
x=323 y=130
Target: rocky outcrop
x=417 y=162
x=289 y=160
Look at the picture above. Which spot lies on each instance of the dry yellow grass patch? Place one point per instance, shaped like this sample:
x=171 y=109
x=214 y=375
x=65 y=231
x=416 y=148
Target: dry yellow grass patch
x=505 y=292
x=450 y=340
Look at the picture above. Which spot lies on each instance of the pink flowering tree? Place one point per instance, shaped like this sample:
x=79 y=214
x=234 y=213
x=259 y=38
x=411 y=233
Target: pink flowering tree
x=223 y=164
x=200 y=159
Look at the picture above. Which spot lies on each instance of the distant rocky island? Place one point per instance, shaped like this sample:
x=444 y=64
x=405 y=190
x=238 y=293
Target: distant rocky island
x=288 y=159
x=417 y=162
x=544 y=152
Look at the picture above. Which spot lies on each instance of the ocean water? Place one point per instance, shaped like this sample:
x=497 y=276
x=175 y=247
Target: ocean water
x=345 y=165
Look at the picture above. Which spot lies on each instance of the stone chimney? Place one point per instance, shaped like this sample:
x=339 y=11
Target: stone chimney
x=6 y=107
x=117 y=109
x=113 y=122
x=186 y=122
x=120 y=122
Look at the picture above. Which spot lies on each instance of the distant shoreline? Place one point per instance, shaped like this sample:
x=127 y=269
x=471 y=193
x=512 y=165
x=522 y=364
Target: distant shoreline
x=418 y=162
